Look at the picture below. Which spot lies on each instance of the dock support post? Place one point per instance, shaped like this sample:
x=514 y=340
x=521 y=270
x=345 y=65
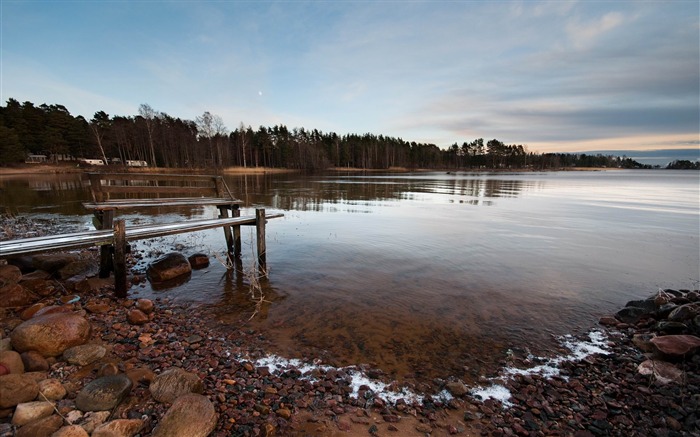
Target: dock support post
x=120 y=259
x=236 y=212
x=223 y=213
x=107 y=218
x=260 y=228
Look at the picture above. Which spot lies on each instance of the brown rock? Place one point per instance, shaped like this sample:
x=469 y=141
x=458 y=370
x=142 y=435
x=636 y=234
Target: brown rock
x=53 y=309
x=198 y=261
x=29 y=312
x=16 y=389
x=44 y=427
x=71 y=431
x=174 y=383
x=676 y=346
x=145 y=305
x=53 y=261
x=103 y=393
x=456 y=388
x=34 y=362
x=51 y=334
x=608 y=321
x=82 y=268
x=168 y=267
x=84 y=354
x=36 y=274
x=10 y=274
x=191 y=415
x=14 y=295
x=27 y=412
x=141 y=375
x=109 y=369
x=137 y=317
x=51 y=389
x=284 y=413
x=12 y=361
x=96 y=307
x=643 y=342
x=41 y=287
x=118 y=428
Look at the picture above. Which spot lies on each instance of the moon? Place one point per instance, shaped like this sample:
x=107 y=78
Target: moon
x=260 y=93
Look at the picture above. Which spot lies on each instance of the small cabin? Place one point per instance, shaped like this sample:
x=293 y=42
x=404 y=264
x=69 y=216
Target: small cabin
x=91 y=161
x=130 y=163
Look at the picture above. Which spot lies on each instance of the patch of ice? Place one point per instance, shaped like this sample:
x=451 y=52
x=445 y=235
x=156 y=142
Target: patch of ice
x=494 y=391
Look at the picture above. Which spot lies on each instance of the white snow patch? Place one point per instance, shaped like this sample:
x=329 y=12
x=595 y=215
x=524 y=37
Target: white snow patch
x=494 y=391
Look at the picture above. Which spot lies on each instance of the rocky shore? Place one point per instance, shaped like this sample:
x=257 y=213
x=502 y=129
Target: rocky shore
x=76 y=361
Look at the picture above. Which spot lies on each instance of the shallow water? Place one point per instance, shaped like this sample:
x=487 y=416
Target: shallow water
x=434 y=274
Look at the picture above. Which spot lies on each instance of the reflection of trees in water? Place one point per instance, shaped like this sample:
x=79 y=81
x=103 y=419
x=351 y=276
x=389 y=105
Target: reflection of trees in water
x=301 y=193
x=64 y=193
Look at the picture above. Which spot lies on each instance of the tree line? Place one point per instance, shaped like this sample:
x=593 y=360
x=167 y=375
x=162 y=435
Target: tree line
x=166 y=141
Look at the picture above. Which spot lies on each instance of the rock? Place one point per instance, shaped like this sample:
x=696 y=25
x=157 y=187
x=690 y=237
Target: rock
x=35 y=274
x=174 y=383
x=12 y=361
x=684 y=312
x=29 y=312
x=51 y=334
x=198 y=261
x=14 y=295
x=84 y=354
x=94 y=419
x=34 y=362
x=648 y=305
x=71 y=431
x=671 y=327
x=51 y=389
x=110 y=369
x=662 y=371
x=30 y=411
x=284 y=413
x=118 y=428
x=630 y=314
x=643 y=342
x=4 y=370
x=608 y=321
x=53 y=309
x=43 y=427
x=96 y=307
x=103 y=393
x=5 y=344
x=137 y=317
x=16 y=389
x=168 y=267
x=40 y=287
x=191 y=415
x=141 y=375
x=145 y=305
x=456 y=388
x=78 y=268
x=10 y=274
x=52 y=262
x=676 y=346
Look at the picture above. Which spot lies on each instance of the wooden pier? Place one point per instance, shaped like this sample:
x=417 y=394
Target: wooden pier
x=113 y=236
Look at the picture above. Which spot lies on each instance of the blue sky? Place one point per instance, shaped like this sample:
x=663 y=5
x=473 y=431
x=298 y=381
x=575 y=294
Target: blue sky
x=552 y=75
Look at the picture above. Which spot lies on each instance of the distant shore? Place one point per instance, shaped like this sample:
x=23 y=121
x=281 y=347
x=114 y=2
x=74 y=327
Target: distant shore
x=23 y=169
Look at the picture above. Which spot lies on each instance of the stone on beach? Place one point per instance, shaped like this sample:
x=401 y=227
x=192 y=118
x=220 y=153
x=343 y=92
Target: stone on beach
x=9 y=274
x=34 y=361
x=27 y=412
x=676 y=346
x=71 y=431
x=15 y=295
x=103 y=393
x=51 y=334
x=51 y=389
x=118 y=428
x=662 y=371
x=174 y=383
x=12 y=361
x=52 y=262
x=43 y=427
x=17 y=388
x=191 y=415
x=137 y=317
x=84 y=354
x=168 y=267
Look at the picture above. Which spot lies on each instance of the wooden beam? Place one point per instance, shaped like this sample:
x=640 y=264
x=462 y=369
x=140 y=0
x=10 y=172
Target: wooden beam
x=260 y=228
x=120 y=259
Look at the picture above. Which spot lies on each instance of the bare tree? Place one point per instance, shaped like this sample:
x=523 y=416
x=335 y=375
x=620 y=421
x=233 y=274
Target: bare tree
x=149 y=114
x=212 y=128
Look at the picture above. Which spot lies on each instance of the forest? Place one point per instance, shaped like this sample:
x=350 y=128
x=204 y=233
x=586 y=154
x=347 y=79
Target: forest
x=165 y=141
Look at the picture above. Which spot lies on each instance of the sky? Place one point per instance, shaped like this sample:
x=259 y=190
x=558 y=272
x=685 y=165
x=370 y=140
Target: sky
x=555 y=76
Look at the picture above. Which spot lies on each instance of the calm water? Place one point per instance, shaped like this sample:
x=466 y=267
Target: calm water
x=431 y=274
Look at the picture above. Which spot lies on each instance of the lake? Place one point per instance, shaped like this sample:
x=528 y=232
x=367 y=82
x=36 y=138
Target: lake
x=427 y=274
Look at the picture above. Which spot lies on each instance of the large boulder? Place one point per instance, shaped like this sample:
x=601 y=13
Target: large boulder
x=103 y=393
x=191 y=415
x=168 y=267
x=174 y=383
x=676 y=346
x=51 y=262
x=51 y=334
x=16 y=389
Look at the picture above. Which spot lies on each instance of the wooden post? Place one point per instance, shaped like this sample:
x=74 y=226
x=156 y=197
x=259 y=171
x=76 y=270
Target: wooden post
x=260 y=228
x=223 y=213
x=236 y=212
x=107 y=218
x=120 y=259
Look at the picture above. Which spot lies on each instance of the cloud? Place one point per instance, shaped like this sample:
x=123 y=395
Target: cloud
x=583 y=35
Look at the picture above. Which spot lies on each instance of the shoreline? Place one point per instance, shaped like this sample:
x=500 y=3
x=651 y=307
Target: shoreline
x=598 y=394
x=35 y=169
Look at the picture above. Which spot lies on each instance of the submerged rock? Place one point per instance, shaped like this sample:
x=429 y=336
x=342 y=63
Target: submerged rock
x=168 y=267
